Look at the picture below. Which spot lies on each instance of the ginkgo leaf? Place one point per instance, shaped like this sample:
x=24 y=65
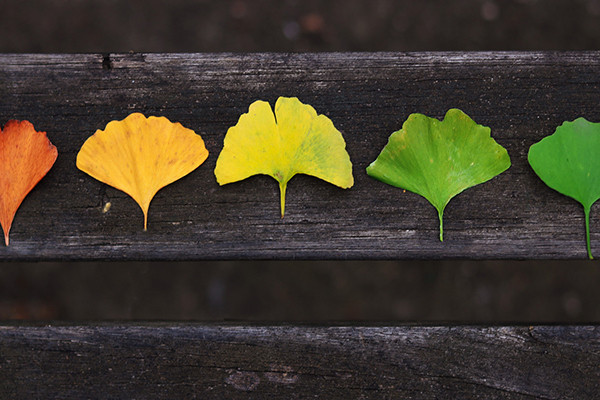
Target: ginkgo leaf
x=569 y=162
x=294 y=140
x=439 y=159
x=25 y=158
x=140 y=155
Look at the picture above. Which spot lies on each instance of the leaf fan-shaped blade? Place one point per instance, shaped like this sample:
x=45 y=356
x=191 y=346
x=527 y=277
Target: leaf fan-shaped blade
x=26 y=156
x=140 y=155
x=439 y=159
x=293 y=140
x=569 y=162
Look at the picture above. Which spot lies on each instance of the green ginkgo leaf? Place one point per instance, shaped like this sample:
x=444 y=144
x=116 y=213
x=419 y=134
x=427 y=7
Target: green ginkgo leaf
x=293 y=140
x=439 y=159
x=569 y=162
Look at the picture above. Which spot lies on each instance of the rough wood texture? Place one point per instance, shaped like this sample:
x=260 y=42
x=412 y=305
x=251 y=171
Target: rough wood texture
x=521 y=96
x=294 y=362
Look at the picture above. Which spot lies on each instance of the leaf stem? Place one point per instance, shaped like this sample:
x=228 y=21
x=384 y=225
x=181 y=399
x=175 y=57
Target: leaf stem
x=586 y=211
x=282 y=186
x=441 y=216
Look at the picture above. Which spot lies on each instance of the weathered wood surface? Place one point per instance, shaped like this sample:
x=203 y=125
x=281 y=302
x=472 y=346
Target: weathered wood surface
x=521 y=96
x=289 y=362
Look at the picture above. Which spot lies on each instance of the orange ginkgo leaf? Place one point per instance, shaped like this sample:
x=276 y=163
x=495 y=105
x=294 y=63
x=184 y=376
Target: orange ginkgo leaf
x=25 y=158
x=140 y=155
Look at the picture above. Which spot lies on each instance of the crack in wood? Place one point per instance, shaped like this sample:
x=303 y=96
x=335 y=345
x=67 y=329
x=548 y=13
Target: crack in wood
x=106 y=62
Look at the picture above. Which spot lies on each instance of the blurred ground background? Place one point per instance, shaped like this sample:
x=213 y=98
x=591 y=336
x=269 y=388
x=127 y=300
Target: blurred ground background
x=461 y=291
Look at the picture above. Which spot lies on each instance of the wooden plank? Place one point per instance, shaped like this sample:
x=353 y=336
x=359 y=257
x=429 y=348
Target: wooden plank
x=336 y=362
x=521 y=96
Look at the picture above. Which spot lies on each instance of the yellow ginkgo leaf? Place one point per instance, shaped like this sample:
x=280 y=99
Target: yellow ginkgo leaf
x=294 y=140
x=141 y=155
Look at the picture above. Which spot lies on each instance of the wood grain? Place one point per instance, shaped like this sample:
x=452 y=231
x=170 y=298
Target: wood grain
x=521 y=96
x=156 y=361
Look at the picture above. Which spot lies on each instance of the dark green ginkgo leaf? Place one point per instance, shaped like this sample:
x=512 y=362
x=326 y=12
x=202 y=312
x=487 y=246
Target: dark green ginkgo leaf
x=569 y=162
x=439 y=159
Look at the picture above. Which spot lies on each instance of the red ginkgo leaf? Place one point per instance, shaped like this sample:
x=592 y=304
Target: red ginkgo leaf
x=25 y=157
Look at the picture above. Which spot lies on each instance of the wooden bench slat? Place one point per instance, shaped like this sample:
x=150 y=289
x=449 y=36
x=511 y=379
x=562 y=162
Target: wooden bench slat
x=521 y=96
x=154 y=361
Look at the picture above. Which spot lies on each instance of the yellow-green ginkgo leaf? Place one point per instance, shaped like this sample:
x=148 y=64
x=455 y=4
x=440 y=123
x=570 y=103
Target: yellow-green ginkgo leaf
x=439 y=159
x=294 y=140
x=141 y=155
